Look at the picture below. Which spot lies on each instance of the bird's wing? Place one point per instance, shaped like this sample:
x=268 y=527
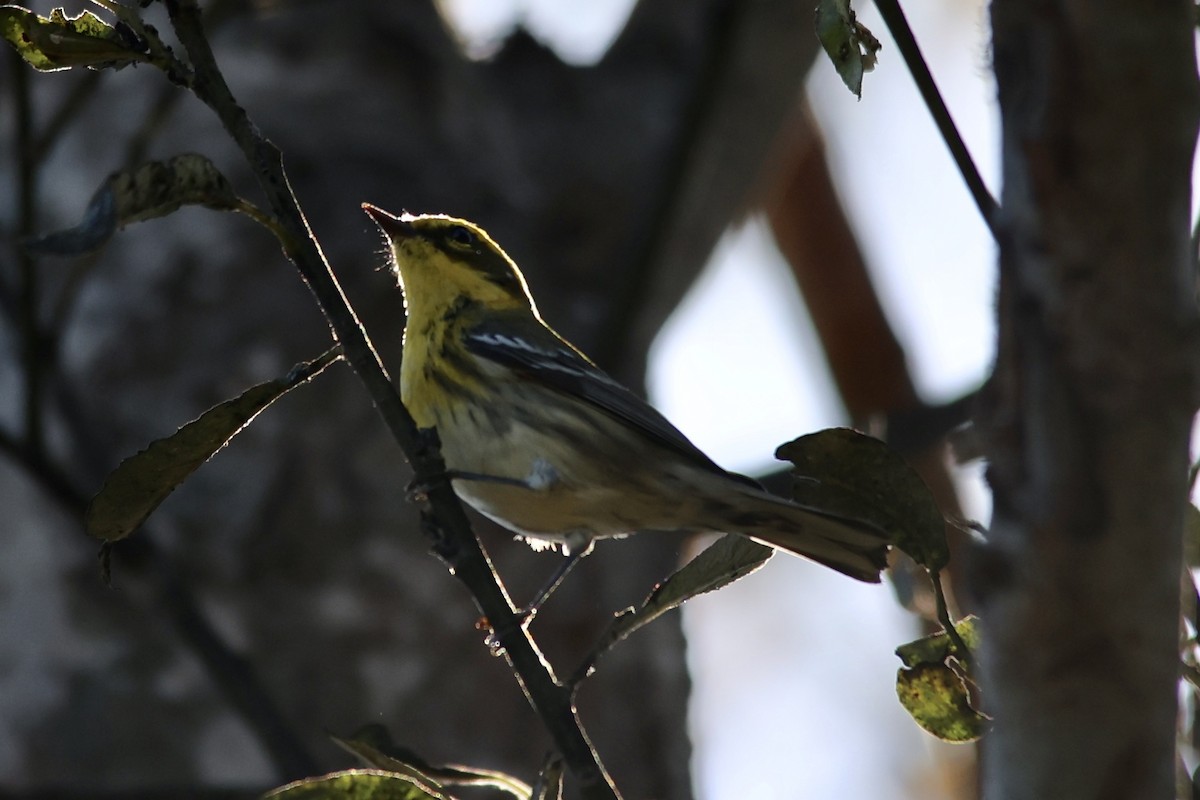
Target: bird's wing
x=541 y=355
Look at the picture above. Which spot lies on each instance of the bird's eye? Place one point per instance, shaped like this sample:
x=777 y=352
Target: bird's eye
x=461 y=236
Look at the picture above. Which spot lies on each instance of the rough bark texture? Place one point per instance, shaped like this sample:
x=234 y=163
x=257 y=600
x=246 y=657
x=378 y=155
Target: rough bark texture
x=1089 y=411
x=296 y=538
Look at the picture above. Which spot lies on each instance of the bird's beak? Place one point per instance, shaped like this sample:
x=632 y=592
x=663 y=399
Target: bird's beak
x=394 y=227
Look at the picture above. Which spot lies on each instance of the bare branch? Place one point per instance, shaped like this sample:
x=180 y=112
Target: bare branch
x=454 y=539
x=893 y=16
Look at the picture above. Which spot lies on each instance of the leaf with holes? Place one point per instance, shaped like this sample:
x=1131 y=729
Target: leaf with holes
x=61 y=42
x=931 y=688
x=849 y=45
x=154 y=189
x=937 y=699
x=936 y=648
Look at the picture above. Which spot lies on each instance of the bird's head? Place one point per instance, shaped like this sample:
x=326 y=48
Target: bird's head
x=441 y=261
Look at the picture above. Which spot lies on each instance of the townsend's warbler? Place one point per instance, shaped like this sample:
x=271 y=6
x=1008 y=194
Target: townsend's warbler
x=539 y=439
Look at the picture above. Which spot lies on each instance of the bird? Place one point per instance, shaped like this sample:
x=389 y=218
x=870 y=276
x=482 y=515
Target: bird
x=539 y=439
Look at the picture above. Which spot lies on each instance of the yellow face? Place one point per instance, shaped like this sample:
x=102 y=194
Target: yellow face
x=440 y=260
x=451 y=273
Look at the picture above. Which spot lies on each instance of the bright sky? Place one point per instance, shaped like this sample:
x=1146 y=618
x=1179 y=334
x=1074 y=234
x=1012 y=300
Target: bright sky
x=579 y=31
x=793 y=667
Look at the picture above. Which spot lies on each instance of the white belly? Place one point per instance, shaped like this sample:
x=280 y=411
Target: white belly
x=531 y=481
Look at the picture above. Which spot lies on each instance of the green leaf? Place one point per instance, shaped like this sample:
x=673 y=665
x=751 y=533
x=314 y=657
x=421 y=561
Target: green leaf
x=935 y=649
x=933 y=692
x=61 y=42
x=373 y=745
x=724 y=561
x=357 y=784
x=154 y=189
x=937 y=699
x=729 y=558
x=849 y=45
x=857 y=476
x=141 y=482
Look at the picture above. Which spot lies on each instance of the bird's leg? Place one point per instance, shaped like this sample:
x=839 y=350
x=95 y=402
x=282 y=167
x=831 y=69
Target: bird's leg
x=573 y=555
x=542 y=477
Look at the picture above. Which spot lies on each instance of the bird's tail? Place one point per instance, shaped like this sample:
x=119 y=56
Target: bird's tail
x=852 y=547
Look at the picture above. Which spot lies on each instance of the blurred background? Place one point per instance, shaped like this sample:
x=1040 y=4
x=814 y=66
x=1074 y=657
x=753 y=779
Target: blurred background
x=697 y=202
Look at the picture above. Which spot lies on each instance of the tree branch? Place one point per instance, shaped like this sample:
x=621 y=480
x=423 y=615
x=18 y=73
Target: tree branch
x=1088 y=415
x=456 y=541
x=233 y=676
x=906 y=43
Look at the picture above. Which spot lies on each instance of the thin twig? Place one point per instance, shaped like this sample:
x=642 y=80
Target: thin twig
x=267 y=220
x=157 y=52
x=458 y=544
x=893 y=17
x=961 y=651
x=230 y=672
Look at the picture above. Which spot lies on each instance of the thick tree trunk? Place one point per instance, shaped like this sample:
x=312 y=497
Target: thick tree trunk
x=1088 y=415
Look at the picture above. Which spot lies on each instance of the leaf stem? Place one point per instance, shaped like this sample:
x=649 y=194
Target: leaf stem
x=270 y=222
x=961 y=651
